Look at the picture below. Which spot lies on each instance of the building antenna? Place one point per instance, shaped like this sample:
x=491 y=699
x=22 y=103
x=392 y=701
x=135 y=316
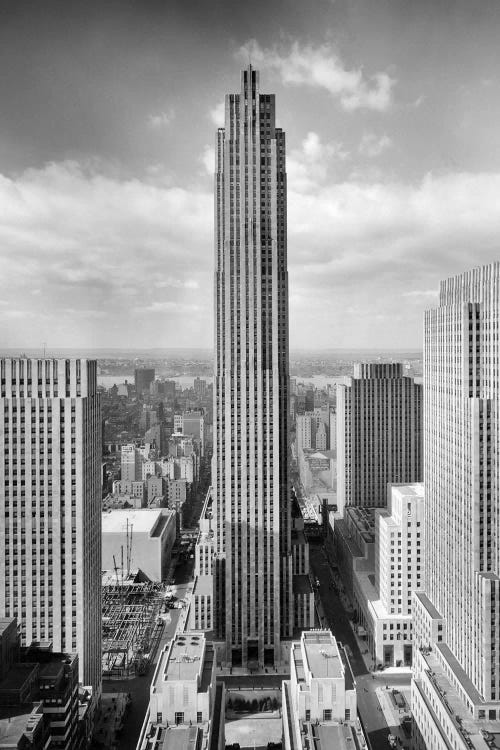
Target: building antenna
x=44 y=344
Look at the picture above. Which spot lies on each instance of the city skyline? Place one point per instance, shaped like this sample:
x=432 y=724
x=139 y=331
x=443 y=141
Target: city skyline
x=107 y=163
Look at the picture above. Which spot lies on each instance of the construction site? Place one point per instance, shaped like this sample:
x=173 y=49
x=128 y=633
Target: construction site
x=132 y=625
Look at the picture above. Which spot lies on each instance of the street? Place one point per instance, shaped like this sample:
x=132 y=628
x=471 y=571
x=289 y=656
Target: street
x=369 y=707
x=139 y=686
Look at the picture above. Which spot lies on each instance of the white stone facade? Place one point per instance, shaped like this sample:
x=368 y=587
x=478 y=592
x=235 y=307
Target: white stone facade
x=50 y=505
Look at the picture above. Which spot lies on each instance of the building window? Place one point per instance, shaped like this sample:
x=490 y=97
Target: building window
x=179 y=717
x=308 y=714
x=327 y=714
x=159 y=717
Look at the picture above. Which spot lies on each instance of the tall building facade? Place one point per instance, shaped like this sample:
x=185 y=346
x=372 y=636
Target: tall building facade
x=143 y=377
x=457 y=619
x=250 y=463
x=379 y=434
x=50 y=506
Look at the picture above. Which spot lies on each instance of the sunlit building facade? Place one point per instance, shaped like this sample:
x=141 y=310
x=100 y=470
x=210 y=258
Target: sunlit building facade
x=456 y=686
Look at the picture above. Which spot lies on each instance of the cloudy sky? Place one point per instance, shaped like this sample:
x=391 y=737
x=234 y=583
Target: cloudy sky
x=107 y=120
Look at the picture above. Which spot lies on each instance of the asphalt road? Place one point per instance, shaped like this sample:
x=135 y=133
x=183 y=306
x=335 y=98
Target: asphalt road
x=368 y=705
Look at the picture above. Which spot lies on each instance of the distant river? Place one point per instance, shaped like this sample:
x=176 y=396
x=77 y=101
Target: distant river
x=108 y=381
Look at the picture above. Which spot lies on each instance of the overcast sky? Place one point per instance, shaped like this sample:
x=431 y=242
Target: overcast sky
x=107 y=121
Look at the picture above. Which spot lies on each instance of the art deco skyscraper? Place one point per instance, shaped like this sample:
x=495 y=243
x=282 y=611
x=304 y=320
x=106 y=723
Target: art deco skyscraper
x=250 y=464
x=456 y=690
x=50 y=506
x=379 y=434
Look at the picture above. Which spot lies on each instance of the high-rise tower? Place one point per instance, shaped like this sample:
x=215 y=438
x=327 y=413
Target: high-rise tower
x=250 y=464
x=379 y=434
x=50 y=506
x=456 y=690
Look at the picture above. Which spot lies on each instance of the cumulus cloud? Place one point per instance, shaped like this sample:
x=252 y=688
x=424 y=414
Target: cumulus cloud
x=374 y=247
x=91 y=245
x=321 y=67
x=88 y=259
x=372 y=145
x=307 y=166
x=208 y=159
x=161 y=119
x=217 y=114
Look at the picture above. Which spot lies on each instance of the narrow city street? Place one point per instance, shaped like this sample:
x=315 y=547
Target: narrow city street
x=139 y=686
x=370 y=710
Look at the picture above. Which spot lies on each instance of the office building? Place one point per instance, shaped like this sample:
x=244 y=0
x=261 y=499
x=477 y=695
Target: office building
x=131 y=463
x=50 y=501
x=39 y=697
x=138 y=539
x=143 y=377
x=384 y=579
x=186 y=705
x=456 y=686
x=250 y=465
x=379 y=426
x=319 y=705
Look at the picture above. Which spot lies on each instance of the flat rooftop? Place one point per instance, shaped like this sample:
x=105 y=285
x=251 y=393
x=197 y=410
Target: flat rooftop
x=181 y=738
x=301 y=584
x=452 y=700
x=142 y=521
x=363 y=519
x=322 y=654
x=4 y=624
x=327 y=736
x=17 y=676
x=184 y=659
x=203 y=585
x=15 y=721
x=429 y=606
x=416 y=489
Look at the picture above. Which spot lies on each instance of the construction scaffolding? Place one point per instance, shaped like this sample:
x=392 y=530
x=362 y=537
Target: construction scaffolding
x=131 y=622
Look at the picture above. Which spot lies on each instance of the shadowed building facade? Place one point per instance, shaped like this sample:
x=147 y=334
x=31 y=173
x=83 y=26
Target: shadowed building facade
x=379 y=434
x=252 y=518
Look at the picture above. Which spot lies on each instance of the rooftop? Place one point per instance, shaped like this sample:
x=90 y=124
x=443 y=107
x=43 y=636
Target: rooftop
x=203 y=585
x=322 y=654
x=17 y=676
x=429 y=606
x=301 y=584
x=180 y=738
x=452 y=702
x=4 y=624
x=15 y=721
x=416 y=489
x=363 y=519
x=183 y=661
x=142 y=521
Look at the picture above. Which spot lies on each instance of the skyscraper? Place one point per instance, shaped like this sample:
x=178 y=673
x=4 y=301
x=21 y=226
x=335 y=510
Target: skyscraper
x=457 y=619
x=379 y=434
x=50 y=506
x=143 y=377
x=250 y=465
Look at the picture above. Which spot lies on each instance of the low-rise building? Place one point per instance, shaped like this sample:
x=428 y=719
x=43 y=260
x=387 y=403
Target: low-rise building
x=142 y=538
x=319 y=707
x=135 y=489
x=39 y=697
x=186 y=705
